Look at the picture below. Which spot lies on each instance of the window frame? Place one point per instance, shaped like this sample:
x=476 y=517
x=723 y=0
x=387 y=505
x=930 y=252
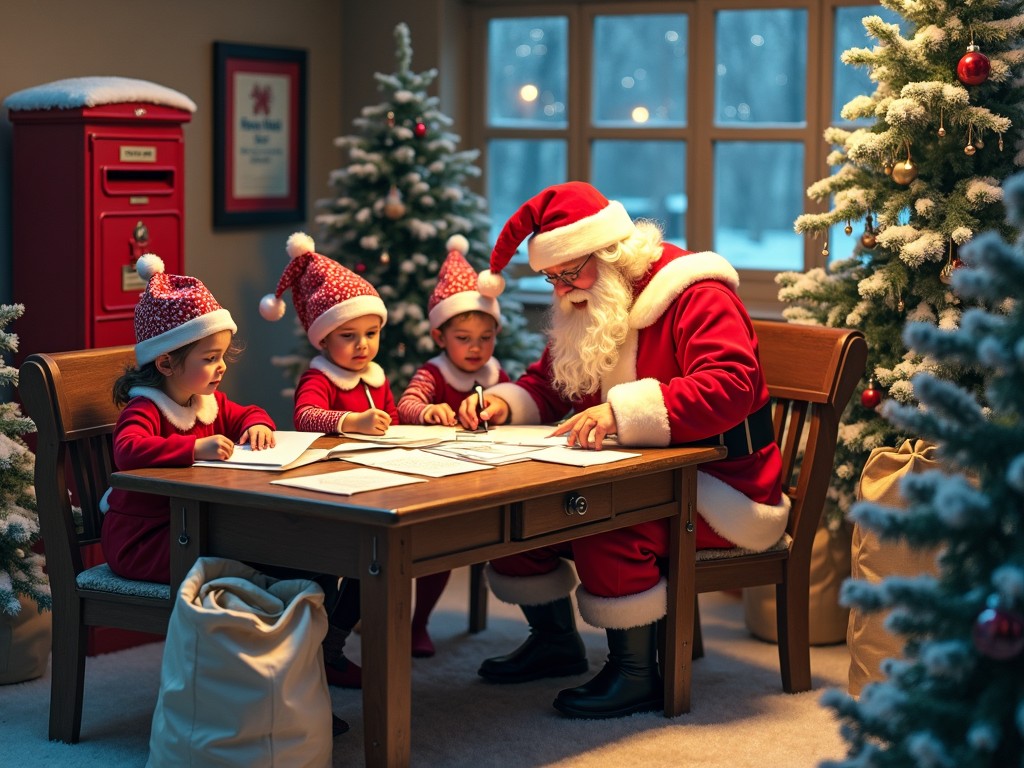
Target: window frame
x=700 y=133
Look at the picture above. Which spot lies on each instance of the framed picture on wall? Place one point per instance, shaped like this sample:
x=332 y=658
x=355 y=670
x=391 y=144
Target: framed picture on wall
x=259 y=135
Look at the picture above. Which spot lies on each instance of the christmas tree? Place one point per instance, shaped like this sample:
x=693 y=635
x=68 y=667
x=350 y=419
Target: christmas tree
x=21 y=569
x=919 y=178
x=957 y=697
x=396 y=203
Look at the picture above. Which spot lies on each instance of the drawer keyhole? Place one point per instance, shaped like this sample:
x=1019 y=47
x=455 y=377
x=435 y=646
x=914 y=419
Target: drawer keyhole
x=576 y=504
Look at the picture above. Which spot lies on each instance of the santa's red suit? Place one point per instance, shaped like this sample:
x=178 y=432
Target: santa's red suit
x=154 y=431
x=687 y=371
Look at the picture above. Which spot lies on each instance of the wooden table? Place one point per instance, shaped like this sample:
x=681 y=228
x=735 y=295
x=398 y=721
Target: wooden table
x=387 y=538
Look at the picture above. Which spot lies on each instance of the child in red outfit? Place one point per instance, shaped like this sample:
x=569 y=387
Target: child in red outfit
x=174 y=412
x=344 y=390
x=464 y=325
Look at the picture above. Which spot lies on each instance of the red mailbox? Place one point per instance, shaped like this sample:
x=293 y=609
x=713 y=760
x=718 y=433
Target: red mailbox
x=93 y=188
x=97 y=180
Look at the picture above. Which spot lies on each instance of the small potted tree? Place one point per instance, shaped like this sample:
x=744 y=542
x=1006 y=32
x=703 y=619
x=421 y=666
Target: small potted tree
x=24 y=588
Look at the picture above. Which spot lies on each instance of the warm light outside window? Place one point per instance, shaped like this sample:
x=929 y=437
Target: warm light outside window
x=707 y=117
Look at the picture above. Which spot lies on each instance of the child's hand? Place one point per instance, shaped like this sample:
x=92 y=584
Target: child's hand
x=371 y=422
x=260 y=436
x=214 y=448
x=495 y=411
x=439 y=413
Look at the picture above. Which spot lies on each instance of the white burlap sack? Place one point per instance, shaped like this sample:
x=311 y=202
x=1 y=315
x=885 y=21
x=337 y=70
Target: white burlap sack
x=242 y=681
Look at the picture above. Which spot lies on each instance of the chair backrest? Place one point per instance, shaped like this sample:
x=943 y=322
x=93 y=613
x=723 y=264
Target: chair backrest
x=69 y=397
x=811 y=372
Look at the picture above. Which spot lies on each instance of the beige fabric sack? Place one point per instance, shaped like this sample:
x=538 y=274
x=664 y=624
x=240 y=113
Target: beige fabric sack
x=827 y=619
x=873 y=560
x=242 y=682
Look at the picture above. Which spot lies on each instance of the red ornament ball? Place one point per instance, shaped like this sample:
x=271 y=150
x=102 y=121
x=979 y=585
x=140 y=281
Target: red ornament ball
x=420 y=130
x=360 y=267
x=870 y=397
x=998 y=634
x=974 y=67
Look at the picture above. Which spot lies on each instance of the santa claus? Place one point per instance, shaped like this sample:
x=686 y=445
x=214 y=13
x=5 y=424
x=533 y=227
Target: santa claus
x=650 y=344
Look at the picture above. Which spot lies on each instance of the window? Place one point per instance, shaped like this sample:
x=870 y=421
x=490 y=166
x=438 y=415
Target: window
x=706 y=116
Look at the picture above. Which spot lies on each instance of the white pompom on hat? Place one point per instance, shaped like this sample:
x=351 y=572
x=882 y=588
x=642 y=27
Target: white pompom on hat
x=325 y=293
x=456 y=290
x=563 y=222
x=173 y=311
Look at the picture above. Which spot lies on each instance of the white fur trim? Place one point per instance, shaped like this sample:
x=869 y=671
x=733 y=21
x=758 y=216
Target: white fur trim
x=490 y=284
x=203 y=408
x=674 y=278
x=624 y=612
x=463 y=381
x=344 y=379
x=195 y=329
x=641 y=416
x=739 y=518
x=342 y=312
x=299 y=244
x=464 y=301
x=271 y=308
x=458 y=243
x=524 y=409
x=533 y=590
x=149 y=264
x=599 y=230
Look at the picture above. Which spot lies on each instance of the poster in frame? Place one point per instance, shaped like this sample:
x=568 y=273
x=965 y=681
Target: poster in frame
x=259 y=135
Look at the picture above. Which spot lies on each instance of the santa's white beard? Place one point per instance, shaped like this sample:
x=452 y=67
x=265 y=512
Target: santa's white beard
x=585 y=343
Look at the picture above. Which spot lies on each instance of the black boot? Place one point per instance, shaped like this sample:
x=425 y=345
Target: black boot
x=553 y=649
x=630 y=681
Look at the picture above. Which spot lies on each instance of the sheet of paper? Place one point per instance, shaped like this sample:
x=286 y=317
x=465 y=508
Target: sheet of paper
x=578 y=457
x=416 y=462
x=409 y=435
x=518 y=434
x=348 y=481
x=484 y=452
x=289 y=446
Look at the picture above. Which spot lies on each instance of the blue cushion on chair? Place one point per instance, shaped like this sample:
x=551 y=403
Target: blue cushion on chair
x=102 y=579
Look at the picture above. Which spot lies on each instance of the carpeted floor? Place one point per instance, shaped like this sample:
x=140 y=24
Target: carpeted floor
x=740 y=717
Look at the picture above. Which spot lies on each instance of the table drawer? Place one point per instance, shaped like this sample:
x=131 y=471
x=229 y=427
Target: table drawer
x=557 y=512
x=563 y=510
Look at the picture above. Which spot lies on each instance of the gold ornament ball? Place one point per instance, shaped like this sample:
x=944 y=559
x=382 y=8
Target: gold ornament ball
x=969 y=150
x=979 y=144
x=887 y=167
x=941 y=132
x=848 y=229
x=904 y=173
x=868 y=240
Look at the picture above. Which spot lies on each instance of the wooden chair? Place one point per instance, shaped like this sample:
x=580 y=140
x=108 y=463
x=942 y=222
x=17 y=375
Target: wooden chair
x=811 y=372
x=68 y=395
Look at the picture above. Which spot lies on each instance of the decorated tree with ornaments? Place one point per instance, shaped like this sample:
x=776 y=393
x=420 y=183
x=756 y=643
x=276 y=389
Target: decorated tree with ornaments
x=918 y=177
x=397 y=204
x=956 y=696
x=21 y=569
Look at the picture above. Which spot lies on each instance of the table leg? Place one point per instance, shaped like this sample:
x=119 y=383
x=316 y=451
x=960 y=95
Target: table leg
x=386 y=596
x=677 y=664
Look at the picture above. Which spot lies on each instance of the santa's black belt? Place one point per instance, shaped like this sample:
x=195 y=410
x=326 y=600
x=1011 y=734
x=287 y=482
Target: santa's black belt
x=749 y=436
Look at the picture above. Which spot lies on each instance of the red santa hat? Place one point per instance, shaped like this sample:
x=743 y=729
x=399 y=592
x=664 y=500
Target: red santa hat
x=325 y=293
x=173 y=310
x=456 y=291
x=566 y=221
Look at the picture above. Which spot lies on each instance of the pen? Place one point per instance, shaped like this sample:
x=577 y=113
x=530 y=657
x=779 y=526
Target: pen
x=480 y=403
x=369 y=397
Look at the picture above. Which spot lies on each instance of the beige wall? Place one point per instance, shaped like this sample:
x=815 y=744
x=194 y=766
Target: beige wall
x=171 y=43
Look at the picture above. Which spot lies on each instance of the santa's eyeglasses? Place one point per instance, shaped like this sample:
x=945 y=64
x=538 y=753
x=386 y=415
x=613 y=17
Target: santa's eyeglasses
x=569 y=276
